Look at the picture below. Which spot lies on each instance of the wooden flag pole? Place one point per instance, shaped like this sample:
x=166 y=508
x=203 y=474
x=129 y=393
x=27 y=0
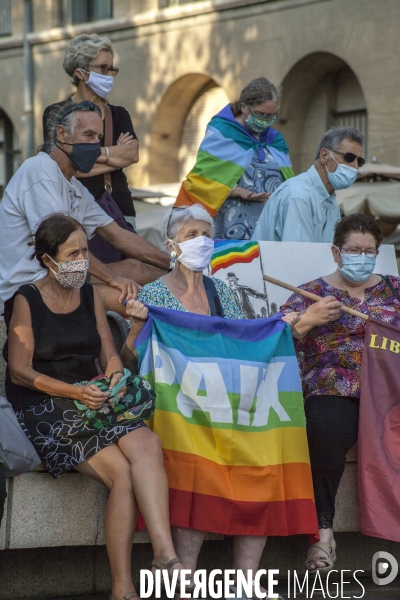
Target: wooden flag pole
x=314 y=297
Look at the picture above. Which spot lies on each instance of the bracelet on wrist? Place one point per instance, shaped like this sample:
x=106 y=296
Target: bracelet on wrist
x=115 y=372
x=107 y=154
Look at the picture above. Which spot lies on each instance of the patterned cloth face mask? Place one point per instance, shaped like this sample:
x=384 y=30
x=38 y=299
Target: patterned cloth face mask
x=258 y=125
x=71 y=273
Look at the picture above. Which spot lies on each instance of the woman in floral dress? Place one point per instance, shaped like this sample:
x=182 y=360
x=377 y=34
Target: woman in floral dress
x=330 y=344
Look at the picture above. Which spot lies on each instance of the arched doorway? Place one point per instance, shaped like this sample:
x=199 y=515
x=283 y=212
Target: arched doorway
x=319 y=92
x=9 y=156
x=179 y=125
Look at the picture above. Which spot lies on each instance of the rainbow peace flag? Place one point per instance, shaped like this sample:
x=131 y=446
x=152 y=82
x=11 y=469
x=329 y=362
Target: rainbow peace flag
x=229 y=412
x=230 y=252
x=224 y=154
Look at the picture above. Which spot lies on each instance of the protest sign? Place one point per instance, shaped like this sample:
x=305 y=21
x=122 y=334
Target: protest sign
x=293 y=262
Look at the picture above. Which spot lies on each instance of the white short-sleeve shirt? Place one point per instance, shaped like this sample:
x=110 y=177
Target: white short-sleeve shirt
x=37 y=190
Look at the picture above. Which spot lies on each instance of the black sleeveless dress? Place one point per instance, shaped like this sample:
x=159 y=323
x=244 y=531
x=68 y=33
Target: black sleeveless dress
x=66 y=347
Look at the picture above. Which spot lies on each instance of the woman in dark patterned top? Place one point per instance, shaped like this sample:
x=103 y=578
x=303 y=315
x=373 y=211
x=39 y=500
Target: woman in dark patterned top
x=330 y=344
x=89 y=61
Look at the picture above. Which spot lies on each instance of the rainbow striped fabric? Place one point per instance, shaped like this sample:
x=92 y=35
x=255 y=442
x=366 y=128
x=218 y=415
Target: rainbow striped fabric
x=230 y=252
x=224 y=154
x=229 y=412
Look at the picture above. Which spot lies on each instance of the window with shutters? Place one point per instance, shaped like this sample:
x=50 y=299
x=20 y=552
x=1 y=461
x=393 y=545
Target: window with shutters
x=350 y=104
x=71 y=12
x=5 y=17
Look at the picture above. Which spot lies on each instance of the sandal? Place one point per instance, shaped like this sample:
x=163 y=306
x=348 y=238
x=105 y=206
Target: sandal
x=168 y=567
x=128 y=596
x=159 y=566
x=314 y=555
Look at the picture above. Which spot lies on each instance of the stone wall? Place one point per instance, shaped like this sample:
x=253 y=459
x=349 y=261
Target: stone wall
x=297 y=43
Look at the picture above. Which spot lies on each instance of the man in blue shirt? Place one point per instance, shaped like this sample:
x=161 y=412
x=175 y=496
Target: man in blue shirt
x=304 y=208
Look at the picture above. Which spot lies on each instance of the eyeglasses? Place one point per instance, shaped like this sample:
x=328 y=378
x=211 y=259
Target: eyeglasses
x=85 y=105
x=358 y=252
x=263 y=116
x=106 y=69
x=350 y=157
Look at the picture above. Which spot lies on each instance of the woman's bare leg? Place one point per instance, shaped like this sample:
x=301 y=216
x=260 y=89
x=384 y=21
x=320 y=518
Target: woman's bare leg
x=110 y=466
x=143 y=450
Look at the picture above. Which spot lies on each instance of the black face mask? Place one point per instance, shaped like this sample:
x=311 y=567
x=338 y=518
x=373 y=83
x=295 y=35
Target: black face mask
x=83 y=156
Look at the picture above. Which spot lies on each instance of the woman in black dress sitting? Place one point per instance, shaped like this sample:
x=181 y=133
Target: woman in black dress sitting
x=57 y=332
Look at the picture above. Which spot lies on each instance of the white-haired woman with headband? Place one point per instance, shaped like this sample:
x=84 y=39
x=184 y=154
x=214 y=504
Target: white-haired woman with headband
x=89 y=60
x=188 y=231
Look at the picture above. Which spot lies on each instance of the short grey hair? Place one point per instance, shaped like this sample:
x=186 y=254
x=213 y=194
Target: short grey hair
x=333 y=138
x=173 y=220
x=82 y=51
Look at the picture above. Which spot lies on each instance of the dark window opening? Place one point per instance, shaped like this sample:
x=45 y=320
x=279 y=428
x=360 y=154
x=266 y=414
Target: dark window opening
x=72 y=12
x=9 y=156
x=5 y=17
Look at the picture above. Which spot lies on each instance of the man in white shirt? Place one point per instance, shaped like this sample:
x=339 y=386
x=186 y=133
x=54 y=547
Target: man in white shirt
x=304 y=208
x=45 y=184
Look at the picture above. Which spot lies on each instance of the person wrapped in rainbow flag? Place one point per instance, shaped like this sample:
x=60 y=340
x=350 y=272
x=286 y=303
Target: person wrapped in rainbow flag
x=240 y=162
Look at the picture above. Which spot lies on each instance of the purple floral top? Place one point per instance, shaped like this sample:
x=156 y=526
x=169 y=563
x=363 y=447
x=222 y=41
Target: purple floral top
x=330 y=355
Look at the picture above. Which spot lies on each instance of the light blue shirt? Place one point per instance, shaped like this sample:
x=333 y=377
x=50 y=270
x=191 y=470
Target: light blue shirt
x=300 y=210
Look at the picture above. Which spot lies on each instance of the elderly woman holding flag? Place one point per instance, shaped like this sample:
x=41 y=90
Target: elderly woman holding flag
x=218 y=435
x=330 y=344
x=240 y=162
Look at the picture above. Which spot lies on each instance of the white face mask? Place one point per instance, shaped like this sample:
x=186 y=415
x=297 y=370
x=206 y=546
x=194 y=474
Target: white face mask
x=100 y=84
x=196 y=253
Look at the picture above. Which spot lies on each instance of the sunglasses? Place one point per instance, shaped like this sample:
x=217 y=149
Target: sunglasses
x=350 y=157
x=85 y=105
x=172 y=212
x=106 y=69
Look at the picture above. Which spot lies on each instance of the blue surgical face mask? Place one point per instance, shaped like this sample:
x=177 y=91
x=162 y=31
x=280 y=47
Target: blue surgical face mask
x=357 y=269
x=343 y=177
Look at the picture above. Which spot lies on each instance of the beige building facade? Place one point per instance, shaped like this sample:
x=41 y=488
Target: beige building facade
x=337 y=62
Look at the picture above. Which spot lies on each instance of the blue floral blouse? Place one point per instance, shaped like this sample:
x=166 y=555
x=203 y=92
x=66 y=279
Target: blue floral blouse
x=157 y=294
